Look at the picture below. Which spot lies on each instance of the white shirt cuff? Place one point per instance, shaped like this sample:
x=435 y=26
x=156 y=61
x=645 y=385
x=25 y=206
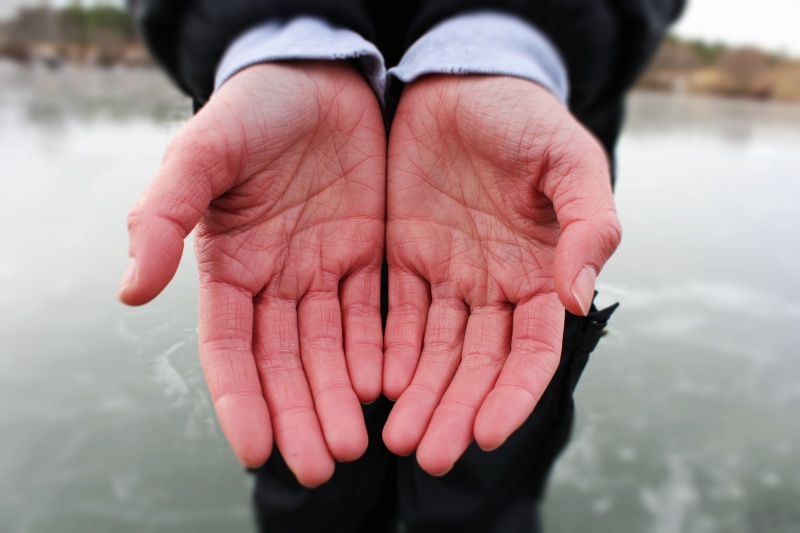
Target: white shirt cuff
x=302 y=38
x=486 y=42
x=476 y=43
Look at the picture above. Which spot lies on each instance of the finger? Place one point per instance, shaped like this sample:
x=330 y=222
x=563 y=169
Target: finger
x=450 y=432
x=294 y=419
x=226 y=355
x=590 y=229
x=363 y=335
x=196 y=168
x=321 y=350
x=409 y=299
x=444 y=336
x=535 y=353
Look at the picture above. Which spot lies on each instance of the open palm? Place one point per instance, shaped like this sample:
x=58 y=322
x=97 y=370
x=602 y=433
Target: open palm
x=500 y=214
x=284 y=170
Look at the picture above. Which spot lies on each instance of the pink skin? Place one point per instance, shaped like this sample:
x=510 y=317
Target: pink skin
x=282 y=174
x=499 y=215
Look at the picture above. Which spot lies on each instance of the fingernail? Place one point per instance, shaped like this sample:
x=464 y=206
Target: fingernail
x=129 y=275
x=583 y=288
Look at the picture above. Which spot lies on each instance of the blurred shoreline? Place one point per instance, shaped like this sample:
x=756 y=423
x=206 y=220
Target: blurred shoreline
x=104 y=36
x=42 y=95
x=98 y=36
x=697 y=67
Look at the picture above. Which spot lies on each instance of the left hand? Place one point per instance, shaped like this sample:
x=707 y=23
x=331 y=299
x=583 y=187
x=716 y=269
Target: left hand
x=282 y=172
x=499 y=215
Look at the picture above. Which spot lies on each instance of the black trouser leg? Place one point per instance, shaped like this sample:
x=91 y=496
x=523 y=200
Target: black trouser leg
x=359 y=497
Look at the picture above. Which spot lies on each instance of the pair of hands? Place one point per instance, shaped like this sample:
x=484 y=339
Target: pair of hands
x=494 y=210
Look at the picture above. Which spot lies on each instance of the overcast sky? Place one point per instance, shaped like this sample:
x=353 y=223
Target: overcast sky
x=769 y=24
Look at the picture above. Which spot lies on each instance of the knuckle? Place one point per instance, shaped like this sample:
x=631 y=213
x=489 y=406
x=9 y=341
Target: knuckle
x=606 y=227
x=184 y=143
x=594 y=151
x=613 y=230
x=135 y=217
x=203 y=151
x=606 y=231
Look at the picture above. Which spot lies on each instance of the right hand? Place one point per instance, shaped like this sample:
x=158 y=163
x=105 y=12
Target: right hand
x=284 y=170
x=500 y=214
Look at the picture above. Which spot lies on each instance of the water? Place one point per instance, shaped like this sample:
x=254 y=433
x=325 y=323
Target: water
x=687 y=414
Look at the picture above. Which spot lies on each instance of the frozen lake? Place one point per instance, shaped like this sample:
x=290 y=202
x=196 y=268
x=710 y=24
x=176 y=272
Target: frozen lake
x=688 y=413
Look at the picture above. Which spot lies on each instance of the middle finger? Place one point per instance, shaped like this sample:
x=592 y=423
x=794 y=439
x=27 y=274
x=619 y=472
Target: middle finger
x=441 y=353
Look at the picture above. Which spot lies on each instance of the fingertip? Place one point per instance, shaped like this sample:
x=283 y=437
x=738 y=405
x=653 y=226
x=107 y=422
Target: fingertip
x=496 y=420
x=396 y=376
x=145 y=288
x=434 y=467
x=343 y=428
x=128 y=279
x=432 y=459
x=253 y=458
x=245 y=422
x=366 y=375
x=391 y=395
x=582 y=251
x=134 y=296
x=574 y=284
x=156 y=249
x=487 y=438
x=400 y=434
x=131 y=291
x=305 y=451
x=320 y=474
x=441 y=473
x=309 y=459
x=493 y=448
x=367 y=392
x=349 y=445
x=395 y=444
x=393 y=388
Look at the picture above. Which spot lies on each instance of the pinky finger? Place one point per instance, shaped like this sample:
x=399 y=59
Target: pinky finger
x=226 y=354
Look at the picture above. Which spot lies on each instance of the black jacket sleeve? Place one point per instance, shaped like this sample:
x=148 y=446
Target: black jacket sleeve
x=605 y=45
x=189 y=37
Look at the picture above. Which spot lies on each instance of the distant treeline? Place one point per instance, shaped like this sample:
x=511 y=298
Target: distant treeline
x=695 y=66
x=96 y=34
x=87 y=21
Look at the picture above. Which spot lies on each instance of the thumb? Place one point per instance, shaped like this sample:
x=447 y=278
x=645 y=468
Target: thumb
x=197 y=167
x=590 y=230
